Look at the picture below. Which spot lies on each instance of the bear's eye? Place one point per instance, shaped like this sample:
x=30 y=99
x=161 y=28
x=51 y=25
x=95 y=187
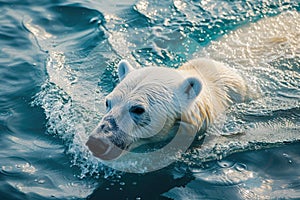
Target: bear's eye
x=107 y=104
x=138 y=110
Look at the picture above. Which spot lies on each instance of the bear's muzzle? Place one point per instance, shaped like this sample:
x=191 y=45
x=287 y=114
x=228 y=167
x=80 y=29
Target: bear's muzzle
x=103 y=148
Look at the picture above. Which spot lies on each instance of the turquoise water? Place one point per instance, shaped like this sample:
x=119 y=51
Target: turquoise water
x=58 y=61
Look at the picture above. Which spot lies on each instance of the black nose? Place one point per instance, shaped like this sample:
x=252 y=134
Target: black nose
x=108 y=125
x=110 y=122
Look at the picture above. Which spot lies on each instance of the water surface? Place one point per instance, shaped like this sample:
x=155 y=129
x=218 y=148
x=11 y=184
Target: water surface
x=58 y=61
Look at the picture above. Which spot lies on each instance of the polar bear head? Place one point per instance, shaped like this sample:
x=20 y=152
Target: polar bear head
x=142 y=109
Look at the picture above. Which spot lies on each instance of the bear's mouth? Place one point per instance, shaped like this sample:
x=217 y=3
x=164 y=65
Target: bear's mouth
x=103 y=148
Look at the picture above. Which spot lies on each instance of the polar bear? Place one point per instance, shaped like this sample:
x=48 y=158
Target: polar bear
x=147 y=103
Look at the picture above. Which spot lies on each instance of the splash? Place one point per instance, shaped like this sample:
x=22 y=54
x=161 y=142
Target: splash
x=70 y=103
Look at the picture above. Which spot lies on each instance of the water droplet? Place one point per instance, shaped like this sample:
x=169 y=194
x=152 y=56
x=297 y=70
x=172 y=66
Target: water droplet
x=217 y=149
x=196 y=170
x=225 y=164
x=7 y=168
x=95 y=20
x=73 y=184
x=166 y=22
x=20 y=166
x=41 y=181
x=19 y=186
x=122 y=183
x=240 y=167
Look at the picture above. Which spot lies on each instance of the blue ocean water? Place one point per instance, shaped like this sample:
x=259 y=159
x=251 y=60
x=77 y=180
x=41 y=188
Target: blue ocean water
x=58 y=61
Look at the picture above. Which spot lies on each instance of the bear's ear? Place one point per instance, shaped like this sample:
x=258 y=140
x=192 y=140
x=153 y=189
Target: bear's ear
x=191 y=87
x=123 y=69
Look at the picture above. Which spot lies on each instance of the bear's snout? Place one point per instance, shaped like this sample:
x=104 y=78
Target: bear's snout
x=105 y=142
x=102 y=148
x=97 y=146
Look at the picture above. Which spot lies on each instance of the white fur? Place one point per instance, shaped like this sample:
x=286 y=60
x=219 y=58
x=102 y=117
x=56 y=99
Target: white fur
x=198 y=91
